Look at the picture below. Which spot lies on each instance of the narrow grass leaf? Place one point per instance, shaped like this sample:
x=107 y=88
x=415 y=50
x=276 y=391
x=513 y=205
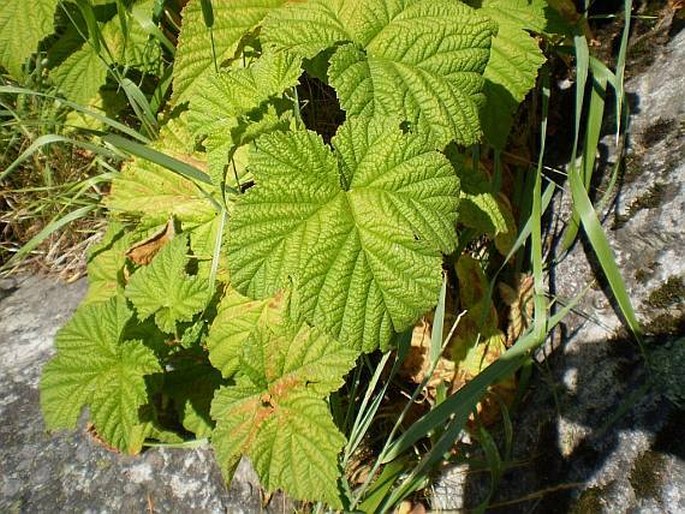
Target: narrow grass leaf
x=47 y=231
x=600 y=245
x=582 y=72
x=72 y=105
x=621 y=64
x=49 y=139
x=147 y=153
x=539 y=319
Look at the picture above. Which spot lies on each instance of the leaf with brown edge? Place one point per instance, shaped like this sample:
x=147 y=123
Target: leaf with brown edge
x=144 y=251
x=277 y=412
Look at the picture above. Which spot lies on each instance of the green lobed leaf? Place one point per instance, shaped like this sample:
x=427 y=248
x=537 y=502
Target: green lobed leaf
x=420 y=60
x=106 y=264
x=81 y=75
x=276 y=413
x=236 y=320
x=360 y=230
x=22 y=27
x=94 y=368
x=228 y=94
x=163 y=287
x=514 y=62
x=195 y=57
x=148 y=190
x=119 y=395
x=306 y=28
x=227 y=97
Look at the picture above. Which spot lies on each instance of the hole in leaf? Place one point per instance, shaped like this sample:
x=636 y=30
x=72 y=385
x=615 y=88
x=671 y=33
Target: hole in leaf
x=320 y=108
x=406 y=127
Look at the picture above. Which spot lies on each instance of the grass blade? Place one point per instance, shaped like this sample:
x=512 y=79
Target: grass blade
x=456 y=408
x=103 y=119
x=49 y=139
x=145 y=152
x=539 y=318
x=600 y=245
x=582 y=73
x=140 y=106
x=47 y=231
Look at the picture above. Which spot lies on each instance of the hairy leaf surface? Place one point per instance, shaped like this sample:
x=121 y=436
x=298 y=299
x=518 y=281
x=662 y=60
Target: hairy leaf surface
x=22 y=27
x=81 y=75
x=194 y=56
x=361 y=229
x=163 y=288
x=148 y=190
x=94 y=368
x=228 y=94
x=277 y=413
x=421 y=60
x=514 y=62
x=203 y=243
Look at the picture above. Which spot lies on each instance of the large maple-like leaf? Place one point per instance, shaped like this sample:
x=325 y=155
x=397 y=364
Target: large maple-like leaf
x=361 y=229
x=95 y=368
x=163 y=287
x=277 y=413
x=421 y=60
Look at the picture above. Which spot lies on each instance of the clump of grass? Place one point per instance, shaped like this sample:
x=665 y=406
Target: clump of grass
x=36 y=195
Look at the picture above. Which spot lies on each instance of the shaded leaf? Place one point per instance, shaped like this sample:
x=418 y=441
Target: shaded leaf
x=514 y=62
x=164 y=289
